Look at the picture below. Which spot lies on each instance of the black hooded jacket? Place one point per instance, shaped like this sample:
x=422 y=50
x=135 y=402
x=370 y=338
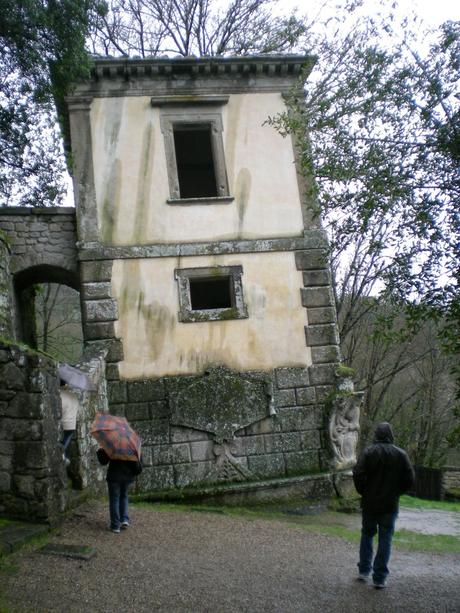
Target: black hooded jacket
x=122 y=471
x=383 y=473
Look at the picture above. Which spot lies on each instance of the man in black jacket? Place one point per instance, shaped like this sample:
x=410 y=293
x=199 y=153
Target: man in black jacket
x=382 y=473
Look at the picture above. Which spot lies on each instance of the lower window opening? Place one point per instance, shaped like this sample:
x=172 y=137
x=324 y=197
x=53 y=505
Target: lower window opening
x=210 y=293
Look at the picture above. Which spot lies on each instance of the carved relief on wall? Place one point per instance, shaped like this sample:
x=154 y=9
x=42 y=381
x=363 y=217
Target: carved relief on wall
x=221 y=402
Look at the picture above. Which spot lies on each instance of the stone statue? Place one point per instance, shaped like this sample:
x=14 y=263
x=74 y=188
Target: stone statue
x=344 y=428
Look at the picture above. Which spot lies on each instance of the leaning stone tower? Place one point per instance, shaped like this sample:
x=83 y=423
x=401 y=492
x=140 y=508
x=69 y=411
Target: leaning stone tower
x=204 y=270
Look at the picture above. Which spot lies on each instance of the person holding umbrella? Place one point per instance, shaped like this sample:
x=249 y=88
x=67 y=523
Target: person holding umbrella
x=71 y=379
x=120 y=449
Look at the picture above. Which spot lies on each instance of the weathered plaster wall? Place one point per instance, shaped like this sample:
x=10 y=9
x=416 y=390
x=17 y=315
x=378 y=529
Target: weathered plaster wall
x=131 y=179
x=156 y=344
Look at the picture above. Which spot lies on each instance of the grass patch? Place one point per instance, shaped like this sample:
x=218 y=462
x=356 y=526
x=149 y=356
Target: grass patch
x=420 y=503
x=433 y=543
x=7 y=522
x=6 y=568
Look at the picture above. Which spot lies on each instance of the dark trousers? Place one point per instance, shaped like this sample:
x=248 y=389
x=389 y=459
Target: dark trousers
x=384 y=525
x=118 y=503
x=67 y=437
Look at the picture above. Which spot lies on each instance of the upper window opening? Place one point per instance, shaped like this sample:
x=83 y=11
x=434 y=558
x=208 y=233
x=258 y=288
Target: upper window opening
x=195 y=161
x=210 y=293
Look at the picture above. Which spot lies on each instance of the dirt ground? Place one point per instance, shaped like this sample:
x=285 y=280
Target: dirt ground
x=190 y=561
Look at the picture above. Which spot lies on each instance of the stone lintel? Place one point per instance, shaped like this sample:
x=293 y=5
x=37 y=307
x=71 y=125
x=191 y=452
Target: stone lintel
x=39 y=211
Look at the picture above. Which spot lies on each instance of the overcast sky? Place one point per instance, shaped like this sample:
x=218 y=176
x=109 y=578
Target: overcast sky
x=433 y=12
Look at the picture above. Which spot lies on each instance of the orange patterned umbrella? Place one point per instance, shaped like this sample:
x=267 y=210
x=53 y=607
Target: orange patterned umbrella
x=116 y=437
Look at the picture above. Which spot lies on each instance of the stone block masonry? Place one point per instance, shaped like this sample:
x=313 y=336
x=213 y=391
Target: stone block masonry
x=321 y=333
x=33 y=479
x=287 y=443
x=40 y=236
x=32 y=474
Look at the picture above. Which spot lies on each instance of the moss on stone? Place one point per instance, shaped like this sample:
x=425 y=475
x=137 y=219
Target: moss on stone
x=8 y=342
x=5 y=239
x=345 y=372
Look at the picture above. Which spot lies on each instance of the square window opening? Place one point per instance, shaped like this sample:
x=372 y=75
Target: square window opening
x=195 y=161
x=211 y=293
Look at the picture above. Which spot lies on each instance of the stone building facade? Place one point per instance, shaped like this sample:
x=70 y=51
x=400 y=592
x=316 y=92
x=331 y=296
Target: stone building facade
x=207 y=307
x=203 y=267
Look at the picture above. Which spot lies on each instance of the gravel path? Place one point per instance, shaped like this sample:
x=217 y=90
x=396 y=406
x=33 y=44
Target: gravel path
x=209 y=562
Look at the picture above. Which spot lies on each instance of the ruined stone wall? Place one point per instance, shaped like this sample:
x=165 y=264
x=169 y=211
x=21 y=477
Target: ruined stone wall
x=34 y=484
x=32 y=474
x=85 y=471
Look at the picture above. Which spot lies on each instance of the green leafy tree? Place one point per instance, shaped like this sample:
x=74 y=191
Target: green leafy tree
x=42 y=52
x=379 y=135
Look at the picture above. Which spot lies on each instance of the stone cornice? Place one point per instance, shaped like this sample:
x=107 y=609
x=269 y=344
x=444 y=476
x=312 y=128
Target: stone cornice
x=271 y=65
x=313 y=239
x=115 y=77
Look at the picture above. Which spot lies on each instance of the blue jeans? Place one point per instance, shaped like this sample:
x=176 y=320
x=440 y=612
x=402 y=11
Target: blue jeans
x=384 y=524
x=118 y=503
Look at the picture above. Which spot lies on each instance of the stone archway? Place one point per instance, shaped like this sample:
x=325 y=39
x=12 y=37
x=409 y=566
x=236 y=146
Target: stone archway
x=25 y=282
